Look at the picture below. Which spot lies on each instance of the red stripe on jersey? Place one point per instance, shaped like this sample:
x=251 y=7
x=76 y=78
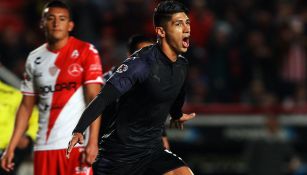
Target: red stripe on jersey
x=71 y=71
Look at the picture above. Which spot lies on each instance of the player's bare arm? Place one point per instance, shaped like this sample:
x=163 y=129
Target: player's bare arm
x=21 y=123
x=91 y=150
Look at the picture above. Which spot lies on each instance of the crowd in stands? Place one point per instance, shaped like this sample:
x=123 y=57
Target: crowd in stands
x=251 y=51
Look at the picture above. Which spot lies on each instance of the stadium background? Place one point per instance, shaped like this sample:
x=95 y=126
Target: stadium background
x=248 y=63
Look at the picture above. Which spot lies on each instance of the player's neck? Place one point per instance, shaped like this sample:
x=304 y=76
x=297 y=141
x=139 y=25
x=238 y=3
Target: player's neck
x=55 y=45
x=168 y=51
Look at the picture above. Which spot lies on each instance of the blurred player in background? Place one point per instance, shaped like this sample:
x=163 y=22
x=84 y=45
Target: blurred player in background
x=9 y=101
x=150 y=85
x=61 y=76
x=135 y=43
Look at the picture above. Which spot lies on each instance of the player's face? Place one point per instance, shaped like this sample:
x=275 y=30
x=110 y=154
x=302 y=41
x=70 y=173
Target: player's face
x=56 y=23
x=177 y=32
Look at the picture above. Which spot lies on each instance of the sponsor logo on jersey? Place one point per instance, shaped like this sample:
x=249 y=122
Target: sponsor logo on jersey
x=75 y=70
x=38 y=60
x=53 y=70
x=58 y=87
x=156 y=77
x=82 y=170
x=122 y=68
x=75 y=54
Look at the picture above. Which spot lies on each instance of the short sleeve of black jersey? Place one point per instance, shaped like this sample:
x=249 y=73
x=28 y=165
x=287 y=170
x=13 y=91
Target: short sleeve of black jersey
x=131 y=71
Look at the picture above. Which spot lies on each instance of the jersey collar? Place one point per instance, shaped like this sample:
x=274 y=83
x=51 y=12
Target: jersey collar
x=162 y=56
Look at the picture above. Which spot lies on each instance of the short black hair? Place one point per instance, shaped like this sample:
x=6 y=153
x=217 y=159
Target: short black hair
x=136 y=39
x=59 y=4
x=164 y=11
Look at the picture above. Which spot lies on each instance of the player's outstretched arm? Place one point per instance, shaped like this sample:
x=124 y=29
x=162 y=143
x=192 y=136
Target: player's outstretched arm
x=91 y=149
x=178 y=123
x=106 y=96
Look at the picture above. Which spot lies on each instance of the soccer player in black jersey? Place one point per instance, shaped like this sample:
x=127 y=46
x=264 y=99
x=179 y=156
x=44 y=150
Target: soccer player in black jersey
x=135 y=43
x=149 y=86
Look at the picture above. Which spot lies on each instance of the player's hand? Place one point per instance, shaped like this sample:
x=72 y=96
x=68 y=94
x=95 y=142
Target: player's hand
x=76 y=138
x=7 y=161
x=179 y=122
x=91 y=152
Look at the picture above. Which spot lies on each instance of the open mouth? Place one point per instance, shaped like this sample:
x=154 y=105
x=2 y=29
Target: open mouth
x=186 y=42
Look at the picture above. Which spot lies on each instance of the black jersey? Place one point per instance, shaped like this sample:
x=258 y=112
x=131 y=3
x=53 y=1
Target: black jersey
x=110 y=109
x=150 y=87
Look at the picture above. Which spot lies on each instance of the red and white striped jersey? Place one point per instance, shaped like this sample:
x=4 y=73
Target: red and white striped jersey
x=57 y=78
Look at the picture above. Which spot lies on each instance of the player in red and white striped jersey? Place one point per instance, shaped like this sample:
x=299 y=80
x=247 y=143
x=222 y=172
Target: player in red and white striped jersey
x=61 y=76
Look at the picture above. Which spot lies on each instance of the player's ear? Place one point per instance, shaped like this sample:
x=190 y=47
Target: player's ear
x=71 y=26
x=160 y=32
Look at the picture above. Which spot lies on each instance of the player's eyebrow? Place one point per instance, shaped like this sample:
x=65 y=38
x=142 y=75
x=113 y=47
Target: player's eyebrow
x=182 y=20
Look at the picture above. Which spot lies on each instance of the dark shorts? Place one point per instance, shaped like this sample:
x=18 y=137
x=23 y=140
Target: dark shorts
x=158 y=162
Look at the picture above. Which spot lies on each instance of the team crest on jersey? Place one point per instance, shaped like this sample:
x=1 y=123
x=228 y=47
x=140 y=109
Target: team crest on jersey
x=53 y=70
x=75 y=70
x=122 y=68
x=75 y=54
